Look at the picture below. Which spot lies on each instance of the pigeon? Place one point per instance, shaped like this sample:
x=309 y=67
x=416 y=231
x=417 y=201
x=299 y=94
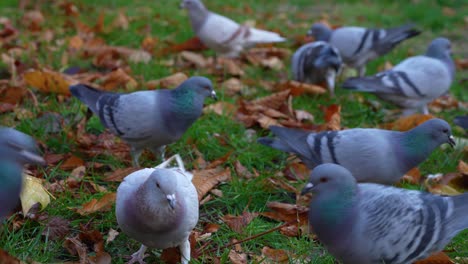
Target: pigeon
x=462 y=121
x=371 y=223
x=358 y=45
x=315 y=63
x=159 y=208
x=148 y=119
x=414 y=82
x=372 y=155
x=223 y=35
x=16 y=149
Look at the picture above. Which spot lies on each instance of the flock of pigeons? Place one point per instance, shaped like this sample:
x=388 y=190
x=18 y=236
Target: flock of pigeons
x=353 y=212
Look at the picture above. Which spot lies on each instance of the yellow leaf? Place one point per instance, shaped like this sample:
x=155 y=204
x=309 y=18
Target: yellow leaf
x=49 y=81
x=33 y=192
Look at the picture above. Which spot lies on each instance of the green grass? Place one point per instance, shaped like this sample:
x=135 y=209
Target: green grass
x=166 y=22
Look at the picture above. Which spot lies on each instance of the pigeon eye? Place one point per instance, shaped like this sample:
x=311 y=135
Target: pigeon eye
x=157 y=185
x=323 y=179
x=445 y=130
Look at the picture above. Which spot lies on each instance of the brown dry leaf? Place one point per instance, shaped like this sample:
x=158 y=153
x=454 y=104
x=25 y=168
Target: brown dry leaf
x=444 y=102
x=75 y=247
x=298 y=88
x=102 y=205
x=281 y=183
x=72 y=162
x=119 y=174
x=49 y=81
x=118 y=78
x=111 y=235
x=439 y=183
x=437 y=258
x=290 y=230
x=266 y=121
x=233 y=86
x=237 y=257
x=193 y=44
x=289 y=213
x=56 y=228
x=95 y=241
x=275 y=255
x=333 y=117
x=211 y=228
x=273 y=63
x=121 y=21
x=242 y=171
x=413 y=176
x=149 y=43
x=238 y=223
x=5 y=107
x=462 y=64
x=12 y=94
x=75 y=43
x=231 y=67
x=221 y=108
x=6 y=258
x=274 y=101
x=296 y=171
x=462 y=167
x=194 y=58
x=303 y=115
x=205 y=180
x=170 y=81
x=33 y=20
x=407 y=122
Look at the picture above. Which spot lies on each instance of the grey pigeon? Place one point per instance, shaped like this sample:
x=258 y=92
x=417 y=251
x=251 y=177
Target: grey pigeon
x=372 y=155
x=370 y=223
x=148 y=119
x=315 y=63
x=159 y=208
x=462 y=121
x=16 y=149
x=223 y=35
x=358 y=45
x=414 y=82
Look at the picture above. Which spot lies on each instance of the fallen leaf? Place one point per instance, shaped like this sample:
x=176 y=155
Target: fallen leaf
x=333 y=117
x=407 y=122
x=211 y=228
x=12 y=95
x=119 y=174
x=438 y=184
x=121 y=21
x=118 y=78
x=413 y=176
x=239 y=222
x=193 y=44
x=462 y=167
x=49 y=81
x=6 y=258
x=33 y=20
x=111 y=235
x=72 y=162
x=437 y=258
x=276 y=255
x=296 y=171
x=205 y=180
x=75 y=247
x=233 y=86
x=303 y=115
x=194 y=58
x=289 y=213
x=56 y=228
x=237 y=258
x=102 y=205
x=298 y=88
x=32 y=193
x=170 y=81
x=242 y=171
x=221 y=108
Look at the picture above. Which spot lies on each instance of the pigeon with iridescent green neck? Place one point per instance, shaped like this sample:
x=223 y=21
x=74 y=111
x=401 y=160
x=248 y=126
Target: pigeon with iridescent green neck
x=148 y=119
x=16 y=149
x=373 y=224
x=372 y=155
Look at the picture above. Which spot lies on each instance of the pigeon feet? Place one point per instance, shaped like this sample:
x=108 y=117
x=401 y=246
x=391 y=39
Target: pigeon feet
x=139 y=256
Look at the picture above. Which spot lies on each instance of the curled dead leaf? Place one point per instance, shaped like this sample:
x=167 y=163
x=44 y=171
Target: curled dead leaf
x=205 y=180
x=275 y=255
x=49 y=81
x=333 y=117
x=239 y=222
x=33 y=192
x=170 y=81
x=298 y=88
x=103 y=204
x=237 y=257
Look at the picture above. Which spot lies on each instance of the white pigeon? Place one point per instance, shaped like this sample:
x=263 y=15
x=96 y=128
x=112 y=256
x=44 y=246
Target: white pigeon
x=223 y=35
x=159 y=208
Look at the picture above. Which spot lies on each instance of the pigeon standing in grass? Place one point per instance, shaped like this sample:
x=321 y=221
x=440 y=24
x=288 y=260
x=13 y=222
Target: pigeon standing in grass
x=159 y=208
x=372 y=224
x=414 y=82
x=16 y=149
x=372 y=155
x=358 y=45
x=148 y=119
x=223 y=35
x=315 y=63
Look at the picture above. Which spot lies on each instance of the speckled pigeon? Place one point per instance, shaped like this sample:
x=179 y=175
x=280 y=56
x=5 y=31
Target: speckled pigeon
x=159 y=208
x=223 y=35
x=372 y=155
x=358 y=45
x=414 y=82
x=370 y=223
x=148 y=119
x=16 y=149
x=315 y=63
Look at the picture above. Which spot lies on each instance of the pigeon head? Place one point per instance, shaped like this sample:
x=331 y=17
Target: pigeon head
x=164 y=184
x=19 y=147
x=192 y=5
x=437 y=130
x=320 y=32
x=202 y=86
x=197 y=12
x=439 y=48
x=329 y=57
x=329 y=178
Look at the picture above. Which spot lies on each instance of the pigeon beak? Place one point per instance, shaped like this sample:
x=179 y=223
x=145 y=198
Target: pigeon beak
x=213 y=95
x=451 y=141
x=307 y=188
x=171 y=200
x=27 y=156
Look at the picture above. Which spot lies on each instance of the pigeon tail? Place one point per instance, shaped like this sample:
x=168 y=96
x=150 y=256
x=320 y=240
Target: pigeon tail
x=364 y=84
x=460 y=216
x=263 y=36
x=395 y=36
x=87 y=94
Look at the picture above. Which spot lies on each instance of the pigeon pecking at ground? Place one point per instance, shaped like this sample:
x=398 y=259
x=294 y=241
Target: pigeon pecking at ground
x=148 y=119
x=223 y=35
x=16 y=149
x=159 y=208
x=372 y=224
x=372 y=155
x=358 y=45
x=315 y=63
x=414 y=82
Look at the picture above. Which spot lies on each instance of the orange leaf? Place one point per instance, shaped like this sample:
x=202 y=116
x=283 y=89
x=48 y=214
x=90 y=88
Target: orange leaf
x=193 y=44
x=462 y=167
x=333 y=117
x=12 y=95
x=298 y=88
x=237 y=257
x=71 y=163
x=287 y=212
x=237 y=223
x=437 y=258
x=101 y=205
x=6 y=258
x=205 y=180
x=276 y=255
x=167 y=82
x=407 y=122
x=49 y=81
x=413 y=176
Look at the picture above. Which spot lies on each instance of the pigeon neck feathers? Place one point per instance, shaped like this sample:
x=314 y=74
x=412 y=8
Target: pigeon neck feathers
x=186 y=102
x=440 y=49
x=198 y=15
x=10 y=174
